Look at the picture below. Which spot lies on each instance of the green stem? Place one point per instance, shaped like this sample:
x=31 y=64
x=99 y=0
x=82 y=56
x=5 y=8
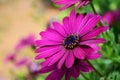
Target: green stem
x=84 y=76
x=101 y=24
x=93 y=8
x=94 y=69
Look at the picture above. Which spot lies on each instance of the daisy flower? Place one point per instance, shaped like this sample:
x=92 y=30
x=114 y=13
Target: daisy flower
x=26 y=41
x=74 y=71
x=68 y=3
x=111 y=17
x=70 y=40
x=10 y=57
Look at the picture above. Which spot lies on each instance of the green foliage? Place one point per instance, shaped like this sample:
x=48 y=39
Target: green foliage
x=114 y=76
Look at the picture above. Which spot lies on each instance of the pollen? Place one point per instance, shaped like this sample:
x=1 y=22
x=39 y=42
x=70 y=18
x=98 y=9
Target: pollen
x=71 y=41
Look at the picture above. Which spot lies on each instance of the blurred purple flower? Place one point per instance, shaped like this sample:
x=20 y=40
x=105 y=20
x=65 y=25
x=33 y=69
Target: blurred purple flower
x=74 y=71
x=68 y=3
x=34 y=68
x=26 y=41
x=64 y=43
x=23 y=62
x=111 y=17
x=10 y=57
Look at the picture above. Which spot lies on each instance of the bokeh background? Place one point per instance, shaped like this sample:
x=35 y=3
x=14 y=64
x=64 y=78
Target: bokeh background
x=18 y=18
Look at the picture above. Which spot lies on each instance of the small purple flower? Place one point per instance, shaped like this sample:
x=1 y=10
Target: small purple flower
x=68 y=3
x=26 y=41
x=23 y=62
x=34 y=68
x=74 y=71
x=111 y=17
x=10 y=57
x=70 y=40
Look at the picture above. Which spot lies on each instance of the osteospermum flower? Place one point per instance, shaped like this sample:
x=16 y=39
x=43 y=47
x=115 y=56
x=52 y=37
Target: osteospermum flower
x=70 y=40
x=26 y=41
x=111 y=17
x=25 y=61
x=74 y=71
x=68 y=3
x=10 y=57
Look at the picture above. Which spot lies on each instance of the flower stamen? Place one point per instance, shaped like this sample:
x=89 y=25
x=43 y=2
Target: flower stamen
x=71 y=41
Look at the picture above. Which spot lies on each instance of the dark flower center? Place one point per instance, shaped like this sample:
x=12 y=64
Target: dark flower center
x=71 y=41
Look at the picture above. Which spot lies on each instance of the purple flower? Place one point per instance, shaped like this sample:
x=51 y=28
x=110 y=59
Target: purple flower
x=74 y=71
x=23 y=62
x=70 y=40
x=26 y=41
x=34 y=68
x=111 y=17
x=68 y=3
x=10 y=57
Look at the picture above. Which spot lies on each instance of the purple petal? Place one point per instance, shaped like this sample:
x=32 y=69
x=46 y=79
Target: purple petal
x=88 y=49
x=95 y=47
x=56 y=57
x=59 y=28
x=90 y=25
x=75 y=72
x=94 y=33
x=61 y=62
x=81 y=4
x=69 y=60
x=84 y=21
x=95 y=41
x=72 y=20
x=85 y=67
x=66 y=6
x=48 y=69
x=93 y=56
x=51 y=35
x=42 y=43
x=56 y=75
x=78 y=21
x=48 y=53
x=79 y=53
x=41 y=49
x=66 y=25
x=68 y=75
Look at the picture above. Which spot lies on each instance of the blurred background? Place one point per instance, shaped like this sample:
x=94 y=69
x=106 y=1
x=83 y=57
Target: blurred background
x=19 y=18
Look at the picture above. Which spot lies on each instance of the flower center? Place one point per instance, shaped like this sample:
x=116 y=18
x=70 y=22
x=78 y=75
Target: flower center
x=71 y=41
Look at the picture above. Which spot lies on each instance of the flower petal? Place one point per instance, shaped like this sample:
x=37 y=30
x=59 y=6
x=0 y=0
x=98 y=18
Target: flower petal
x=41 y=49
x=42 y=43
x=88 y=49
x=68 y=75
x=78 y=21
x=95 y=41
x=48 y=53
x=59 y=28
x=79 y=53
x=93 y=56
x=56 y=57
x=83 y=22
x=85 y=67
x=75 y=72
x=61 y=62
x=72 y=20
x=56 y=75
x=52 y=35
x=48 y=69
x=94 y=33
x=66 y=25
x=69 y=60
x=92 y=22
